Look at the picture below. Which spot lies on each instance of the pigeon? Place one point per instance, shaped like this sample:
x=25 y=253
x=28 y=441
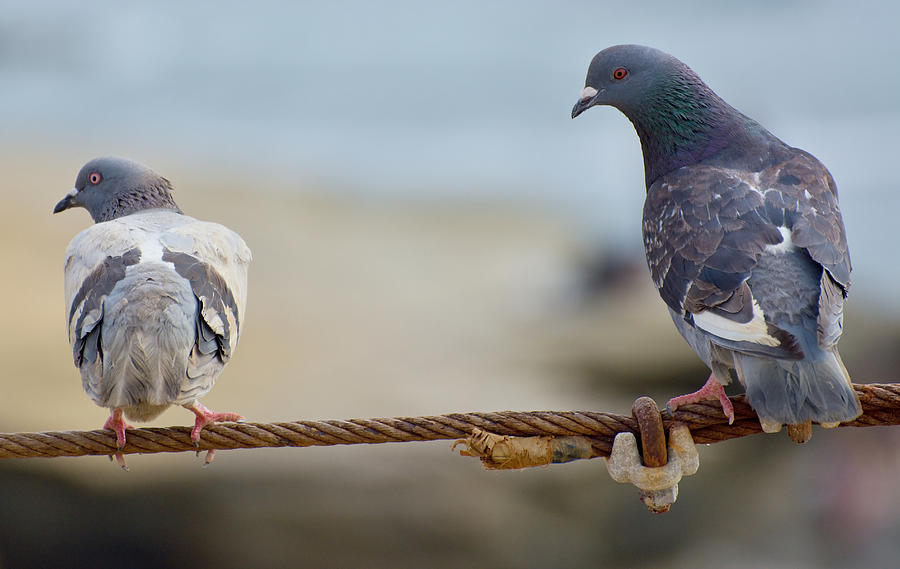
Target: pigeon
x=744 y=240
x=154 y=299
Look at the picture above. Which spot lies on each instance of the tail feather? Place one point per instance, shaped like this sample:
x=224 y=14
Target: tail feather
x=145 y=371
x=795 y=391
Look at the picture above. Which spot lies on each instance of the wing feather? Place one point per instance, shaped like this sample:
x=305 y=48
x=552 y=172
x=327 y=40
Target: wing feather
x=706 y=227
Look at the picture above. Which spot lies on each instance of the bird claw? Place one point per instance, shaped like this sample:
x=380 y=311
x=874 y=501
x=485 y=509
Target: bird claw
x=116 y=422
x=210 y=455
x=205 y=417
x=712 y=389
x=120 y=460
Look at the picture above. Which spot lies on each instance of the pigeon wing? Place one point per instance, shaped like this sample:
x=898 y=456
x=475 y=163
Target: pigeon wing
x=214 y=260
x=704 y=229
x=95 y=261
x=807 y=199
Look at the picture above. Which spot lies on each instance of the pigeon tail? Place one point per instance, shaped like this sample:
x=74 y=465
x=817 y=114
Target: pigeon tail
x=141 y=383
x=795 y=391
x=147 y=339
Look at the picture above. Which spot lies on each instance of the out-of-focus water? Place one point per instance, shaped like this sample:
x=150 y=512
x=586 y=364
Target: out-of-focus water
x=457 y=100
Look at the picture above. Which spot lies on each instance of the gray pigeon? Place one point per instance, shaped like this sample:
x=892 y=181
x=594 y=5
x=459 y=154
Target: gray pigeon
x=154 y=299
x=744 y=240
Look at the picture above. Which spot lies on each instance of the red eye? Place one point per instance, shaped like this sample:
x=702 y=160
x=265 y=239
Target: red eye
x=620 y=73
x=95 y=178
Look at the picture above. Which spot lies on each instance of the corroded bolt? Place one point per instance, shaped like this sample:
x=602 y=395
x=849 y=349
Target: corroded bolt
x=653 y=437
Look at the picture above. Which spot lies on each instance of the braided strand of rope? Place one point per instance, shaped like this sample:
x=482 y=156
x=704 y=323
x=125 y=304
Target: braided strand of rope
x=880 y=402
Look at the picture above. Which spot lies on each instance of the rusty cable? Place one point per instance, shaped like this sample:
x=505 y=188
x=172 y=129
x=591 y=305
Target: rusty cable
x=880 y=403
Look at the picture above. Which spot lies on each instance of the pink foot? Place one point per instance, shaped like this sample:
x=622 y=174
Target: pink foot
x=116 y=422
x=712 y=389
x=205 y=417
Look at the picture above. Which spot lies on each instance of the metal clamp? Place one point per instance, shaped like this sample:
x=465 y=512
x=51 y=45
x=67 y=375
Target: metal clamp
x=663 y=467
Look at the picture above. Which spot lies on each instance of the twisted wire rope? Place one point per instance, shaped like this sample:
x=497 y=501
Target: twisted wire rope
x=880 y=403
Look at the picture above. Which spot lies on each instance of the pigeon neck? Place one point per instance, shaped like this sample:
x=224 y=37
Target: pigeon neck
x=136 y=200
x=684 y=124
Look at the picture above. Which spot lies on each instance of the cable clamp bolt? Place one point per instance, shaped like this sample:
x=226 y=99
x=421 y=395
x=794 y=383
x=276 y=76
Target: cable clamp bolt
x=663 y=466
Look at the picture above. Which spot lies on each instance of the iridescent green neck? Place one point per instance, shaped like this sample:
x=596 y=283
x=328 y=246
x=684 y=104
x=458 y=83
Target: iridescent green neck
x=682 y=122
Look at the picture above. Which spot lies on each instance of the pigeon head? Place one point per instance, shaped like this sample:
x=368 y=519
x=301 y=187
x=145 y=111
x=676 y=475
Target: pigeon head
x=627 y=77
x=679 y=120
x=111 y=187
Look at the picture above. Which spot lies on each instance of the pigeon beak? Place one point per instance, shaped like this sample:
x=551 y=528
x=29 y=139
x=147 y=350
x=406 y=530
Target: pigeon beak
x=588 y=95
x=66 y=202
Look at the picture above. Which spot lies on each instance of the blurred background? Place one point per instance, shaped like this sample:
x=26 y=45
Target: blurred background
x=431 y=233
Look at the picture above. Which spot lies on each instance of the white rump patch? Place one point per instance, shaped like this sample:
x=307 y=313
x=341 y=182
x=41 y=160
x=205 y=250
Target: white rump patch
x=786 y=245
x=588 y=93
x=151 y=250
x=754 y=331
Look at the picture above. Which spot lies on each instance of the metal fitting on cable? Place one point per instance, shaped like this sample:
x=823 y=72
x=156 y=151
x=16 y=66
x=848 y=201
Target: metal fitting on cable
x=663 y=466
